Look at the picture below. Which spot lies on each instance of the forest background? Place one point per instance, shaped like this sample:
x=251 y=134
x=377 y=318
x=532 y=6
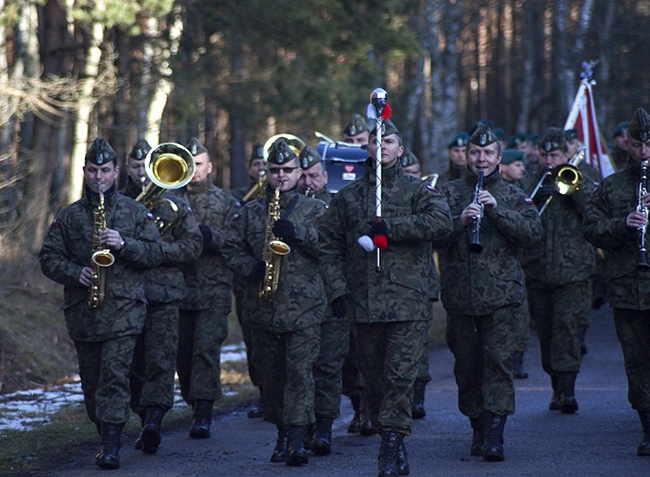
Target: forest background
x=235 y=72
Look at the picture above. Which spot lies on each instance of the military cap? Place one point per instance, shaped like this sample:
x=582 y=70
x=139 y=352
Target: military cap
x=512 y=155
x=140 y=150
x=100 y=152
x=257 y=152
x=280 y=152
x=553 y=140
x=639 y=127
x=571 y=134
x=195 y=147
x=487 y=122
x=387 y=128
x=499 y=133
x=620 y=129
x=309 y=157
x=408 y=158
x=516 y=140
x=356 y=125
x=483 y=136
x=533 y=139
x=459 y=140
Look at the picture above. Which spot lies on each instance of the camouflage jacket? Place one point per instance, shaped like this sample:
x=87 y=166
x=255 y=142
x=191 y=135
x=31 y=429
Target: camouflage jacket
x=208 y=280
x=415 y=214
x=182 y=244
x=563 y=255
x=451 y=174
x=604 y=226
x=478 y=284
x=323 y=195
x=299 y=301
x=67 y=249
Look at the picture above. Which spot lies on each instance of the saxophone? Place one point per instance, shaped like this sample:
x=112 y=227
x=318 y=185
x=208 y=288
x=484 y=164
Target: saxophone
x=274 y=250
x=101 y=258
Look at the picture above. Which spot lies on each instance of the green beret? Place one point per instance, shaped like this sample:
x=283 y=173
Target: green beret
x=483 y=136
x=553 y=140
x=280 y=152
x=408 y=158
x=309 y=157
x=639 y=127
x=620 y=129
x=460 y=140
x=356 y=125
x=140 y=150
x=195 y=147
x=571 y=134
x=499 y=133
x=100 y=152
x=516 y=140
x=258 y=152
x=512 y=155
x=533 y=139
x=387 y=128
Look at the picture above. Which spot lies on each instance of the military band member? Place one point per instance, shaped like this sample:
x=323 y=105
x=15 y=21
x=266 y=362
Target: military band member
x=559 y=279
x=388 y=308
x=104 y=310
x=481 y=292
x=203 y=317
x=314 y=172
x=619 y=145
x=356 y=131
x=256 y=170
x=411 y=164
x=573 y=144
x=285 y=323
x=614 y=218
x=154 y=362
x=457 y=151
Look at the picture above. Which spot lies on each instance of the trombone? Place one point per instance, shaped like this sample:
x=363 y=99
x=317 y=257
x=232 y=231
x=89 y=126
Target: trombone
x=566 y=178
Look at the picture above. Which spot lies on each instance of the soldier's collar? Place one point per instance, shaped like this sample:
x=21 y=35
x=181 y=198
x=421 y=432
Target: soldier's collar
x=196 y=187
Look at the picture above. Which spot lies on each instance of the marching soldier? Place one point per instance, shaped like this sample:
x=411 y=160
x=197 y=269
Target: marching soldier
x=481 y=290
x=105 y=307
x=457 y=151
x=619 y=146
x=285 y=316
x=203 y=323
x=356 y=131
x=616 y=218
x=411 y=164
x=559 y=278
x=256 y=170
x=154 y=361
x=388 y=308
x=315 y=174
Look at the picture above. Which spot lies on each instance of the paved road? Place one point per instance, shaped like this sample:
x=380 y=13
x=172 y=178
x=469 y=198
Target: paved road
x=599 y=440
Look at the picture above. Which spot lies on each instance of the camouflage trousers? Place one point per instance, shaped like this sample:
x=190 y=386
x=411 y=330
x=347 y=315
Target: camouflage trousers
x=334 y=345
x=104 y=368
x=633 y=331
x=523 y=336
x=200 y=335
x=556 y=312
x=239 y=285
x=352 y=380
x=423 y=362
x=154 y=360
x=483 y=349
x=388 y=354
x=287 y=361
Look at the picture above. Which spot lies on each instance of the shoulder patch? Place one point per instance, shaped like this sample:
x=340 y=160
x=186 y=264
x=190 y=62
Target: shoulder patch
x=432 y=188
x=528 y=200
x=150 y=216
x=189 y=209
x=235 y=217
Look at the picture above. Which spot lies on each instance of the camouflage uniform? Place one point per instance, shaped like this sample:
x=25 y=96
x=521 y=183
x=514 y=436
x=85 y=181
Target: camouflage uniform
x=454 y=172
x=388 y=309
x=204 y=312
x=285 y=330
x=481 y=293
x=154 y=362
x=559 y=280
x=105 y=336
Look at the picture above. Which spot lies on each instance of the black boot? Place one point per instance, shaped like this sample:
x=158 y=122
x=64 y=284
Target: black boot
x=388 y=451
x=555 y=403
x=644 y=446
x=402 y=459
x=280 y=452
x=257 y=411
x=494 y=438
x=478 y=436
x=321 y=443
x=518 y=370
x=151 y=434
x=582 y=331
x=201 y=419
x=108 y=456
x=417 y=408
x=365 y=424
x=296 y=452
x=566 y=386
x=355 y=423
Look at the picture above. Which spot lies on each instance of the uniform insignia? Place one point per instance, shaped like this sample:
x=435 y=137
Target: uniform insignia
x=193 y=150
x=644 y=136
x=189 y=209
x=404 y=161
x=150 y=216
x=100 y=158
x=353 y=130
x=305 y=162
x=482 y=139
x=528 y=200
x=431 y=188
x=235 y=217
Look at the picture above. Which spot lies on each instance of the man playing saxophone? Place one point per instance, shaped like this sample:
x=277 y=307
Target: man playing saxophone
x=284 y=298
x=105 y=335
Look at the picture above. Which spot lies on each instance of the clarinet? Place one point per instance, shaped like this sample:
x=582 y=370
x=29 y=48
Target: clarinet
x=643 y=262
x=475 y=246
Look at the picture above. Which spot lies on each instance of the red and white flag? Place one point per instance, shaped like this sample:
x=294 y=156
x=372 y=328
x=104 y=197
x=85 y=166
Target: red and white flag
x=583 y=118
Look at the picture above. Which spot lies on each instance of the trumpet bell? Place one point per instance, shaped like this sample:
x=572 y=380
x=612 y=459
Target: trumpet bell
x=278 y=247
x=567 y=179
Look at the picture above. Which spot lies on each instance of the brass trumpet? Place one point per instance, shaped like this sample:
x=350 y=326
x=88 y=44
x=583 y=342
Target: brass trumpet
x=566 y=180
